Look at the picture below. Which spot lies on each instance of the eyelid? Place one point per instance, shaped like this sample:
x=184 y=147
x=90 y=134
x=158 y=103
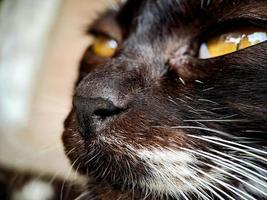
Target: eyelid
x=99 y=33
x=111 y=30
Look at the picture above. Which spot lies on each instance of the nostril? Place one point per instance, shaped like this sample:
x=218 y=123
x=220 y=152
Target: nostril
x=92 y=111
x=96 y=107
x=111 y=111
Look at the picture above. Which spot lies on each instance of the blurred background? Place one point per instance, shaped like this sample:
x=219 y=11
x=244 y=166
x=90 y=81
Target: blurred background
x=41 y=43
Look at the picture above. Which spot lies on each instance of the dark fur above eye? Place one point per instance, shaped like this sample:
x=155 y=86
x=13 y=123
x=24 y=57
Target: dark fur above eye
x=150 y=120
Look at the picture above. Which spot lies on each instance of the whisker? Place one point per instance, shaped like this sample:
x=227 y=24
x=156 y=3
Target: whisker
x=92 y=158
x=244 y=162
x=230 y=147
x=226 y=185
x=51 y=180
x=215 y=120
x=200 y=192
x=208 y=101
x=67 y=176
x=224 y=171
x=235 y=190
x=237 y=144
x=240 y=180
x=205 y=185
x=70 y=151
x=81 y=196
x=204 y=129
x=216 y=188
x=168 y=181
x=230 y=167
x=131 y=175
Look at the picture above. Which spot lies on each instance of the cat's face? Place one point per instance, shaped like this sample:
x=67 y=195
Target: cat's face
x=152 y=118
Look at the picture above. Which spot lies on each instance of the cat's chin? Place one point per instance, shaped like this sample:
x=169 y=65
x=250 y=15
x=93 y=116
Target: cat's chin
x=158 y=172
x=104 y=159
x=107 y=159
x=159 y=160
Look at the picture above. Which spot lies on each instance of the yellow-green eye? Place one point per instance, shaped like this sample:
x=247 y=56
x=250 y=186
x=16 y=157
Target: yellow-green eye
x=104 y=46
x=229 y=42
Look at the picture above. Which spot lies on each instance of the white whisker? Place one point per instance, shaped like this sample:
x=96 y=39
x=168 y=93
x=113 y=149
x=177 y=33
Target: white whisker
x=167 y=180
x=81 y=196
x=215 y=120
x=216 y=188
x=226 y=185
x=207 y=186
x=230 y=147
x=224 y=171
x=225 y=163
x=237 y=144
x=67 y=176
x=244 y=162
x=204 y=129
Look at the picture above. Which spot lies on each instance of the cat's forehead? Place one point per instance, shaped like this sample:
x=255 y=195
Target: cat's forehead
x=186 y=7
x=169 y=17
x=173 y=12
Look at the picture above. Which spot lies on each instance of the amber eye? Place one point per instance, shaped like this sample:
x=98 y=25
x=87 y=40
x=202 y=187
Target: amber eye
x=104 y=46
x=231 y=41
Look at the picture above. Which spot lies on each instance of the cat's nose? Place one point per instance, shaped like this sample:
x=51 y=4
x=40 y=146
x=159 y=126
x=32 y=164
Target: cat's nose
x=92 y=112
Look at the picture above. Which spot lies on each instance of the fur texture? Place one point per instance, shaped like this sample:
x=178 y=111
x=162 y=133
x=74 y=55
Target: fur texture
x=157 y=122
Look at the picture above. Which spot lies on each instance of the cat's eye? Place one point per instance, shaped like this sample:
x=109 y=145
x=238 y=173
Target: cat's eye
x=104 y=46
x=231 y=41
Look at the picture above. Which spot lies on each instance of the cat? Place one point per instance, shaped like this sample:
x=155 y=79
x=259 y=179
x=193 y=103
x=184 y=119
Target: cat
x=170 y=102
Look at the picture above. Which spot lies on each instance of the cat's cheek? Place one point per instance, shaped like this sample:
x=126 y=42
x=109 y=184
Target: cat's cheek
x=74 y=145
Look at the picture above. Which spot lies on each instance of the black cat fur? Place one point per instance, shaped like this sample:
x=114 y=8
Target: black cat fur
x=155 y=122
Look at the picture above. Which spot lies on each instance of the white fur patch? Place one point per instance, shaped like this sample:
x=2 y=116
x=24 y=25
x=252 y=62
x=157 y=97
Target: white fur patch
x=33 y=190
x=170 y=170
x=173 y=173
